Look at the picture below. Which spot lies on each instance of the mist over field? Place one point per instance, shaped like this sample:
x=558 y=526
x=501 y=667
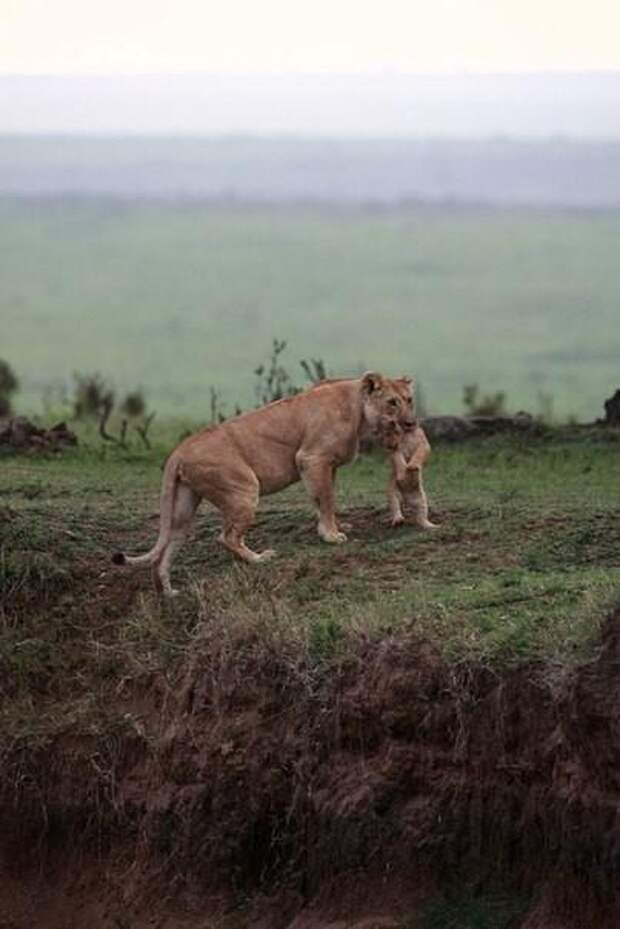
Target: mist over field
x=383 y=171
x=536 y=139
x=378 y=104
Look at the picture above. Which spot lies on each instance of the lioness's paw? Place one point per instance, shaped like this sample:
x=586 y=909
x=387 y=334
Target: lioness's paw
x=427 y=524
x=266 y=555
x=334 y=538
x=398 y=521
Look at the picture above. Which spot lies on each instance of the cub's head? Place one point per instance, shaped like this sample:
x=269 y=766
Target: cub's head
x=388 y=403
x=390 y=433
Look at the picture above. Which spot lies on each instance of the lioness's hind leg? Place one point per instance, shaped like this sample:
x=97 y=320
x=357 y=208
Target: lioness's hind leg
x=238 y=510
x=236 y=524
x=185 y=506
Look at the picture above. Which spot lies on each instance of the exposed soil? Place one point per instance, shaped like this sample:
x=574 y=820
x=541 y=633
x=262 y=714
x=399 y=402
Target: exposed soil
x=19 y=434
x=253 y=789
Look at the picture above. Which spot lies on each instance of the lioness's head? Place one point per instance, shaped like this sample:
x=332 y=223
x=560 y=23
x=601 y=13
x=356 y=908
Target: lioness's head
x=388 y=400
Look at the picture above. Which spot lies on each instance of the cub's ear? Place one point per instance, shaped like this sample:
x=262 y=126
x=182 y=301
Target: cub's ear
x=371 y=381
x=405 y=379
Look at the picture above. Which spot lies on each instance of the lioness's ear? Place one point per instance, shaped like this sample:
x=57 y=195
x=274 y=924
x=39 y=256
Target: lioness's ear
x=371 y=381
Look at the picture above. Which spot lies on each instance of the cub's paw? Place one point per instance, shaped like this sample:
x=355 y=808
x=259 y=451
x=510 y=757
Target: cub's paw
x=397 y=521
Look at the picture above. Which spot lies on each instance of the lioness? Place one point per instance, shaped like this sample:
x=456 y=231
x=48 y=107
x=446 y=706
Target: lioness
x=409 y=449
x=305 y=436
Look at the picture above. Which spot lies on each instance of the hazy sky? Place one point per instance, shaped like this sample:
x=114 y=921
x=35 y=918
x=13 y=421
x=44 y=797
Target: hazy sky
x=133 y=36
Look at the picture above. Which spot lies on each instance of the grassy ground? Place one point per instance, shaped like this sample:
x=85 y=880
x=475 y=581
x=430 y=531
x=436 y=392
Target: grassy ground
x=518 y=300
x=525 y=565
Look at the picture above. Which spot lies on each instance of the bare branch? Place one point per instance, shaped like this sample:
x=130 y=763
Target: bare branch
x=144 y=428
x=106 y=410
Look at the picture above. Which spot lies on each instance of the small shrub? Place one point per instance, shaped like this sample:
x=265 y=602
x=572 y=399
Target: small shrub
x=9 y=384
x=134 y=404
x=217 y=410
x=487 y=405
x=91 y=395
x=314 y=369
x=273 y=380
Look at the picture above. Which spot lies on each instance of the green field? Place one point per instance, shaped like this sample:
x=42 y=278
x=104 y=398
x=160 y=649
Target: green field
x=179 y=297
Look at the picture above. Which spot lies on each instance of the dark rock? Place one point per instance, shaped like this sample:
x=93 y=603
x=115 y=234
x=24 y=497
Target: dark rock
x=20 y=434
x=612 y=410
x=459 y=428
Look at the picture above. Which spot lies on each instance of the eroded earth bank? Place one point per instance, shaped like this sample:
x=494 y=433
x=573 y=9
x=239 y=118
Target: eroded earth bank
x=256 y=784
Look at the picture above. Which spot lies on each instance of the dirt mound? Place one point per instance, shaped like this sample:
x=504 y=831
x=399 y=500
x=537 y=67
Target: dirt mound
x=459 y=428
x=20 y=434
x=254 y=785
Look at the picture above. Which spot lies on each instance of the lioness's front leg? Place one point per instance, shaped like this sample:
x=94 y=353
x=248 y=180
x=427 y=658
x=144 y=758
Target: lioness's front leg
x=318 y=477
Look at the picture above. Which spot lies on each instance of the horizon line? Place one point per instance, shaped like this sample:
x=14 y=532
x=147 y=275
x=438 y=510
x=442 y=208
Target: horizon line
x=557 y=70
x=293 y=136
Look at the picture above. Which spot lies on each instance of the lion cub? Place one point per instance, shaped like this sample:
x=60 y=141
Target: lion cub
x=408 y=451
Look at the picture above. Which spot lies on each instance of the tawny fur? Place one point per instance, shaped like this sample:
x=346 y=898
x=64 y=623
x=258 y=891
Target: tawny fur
x=307 y=436
x=409 y=450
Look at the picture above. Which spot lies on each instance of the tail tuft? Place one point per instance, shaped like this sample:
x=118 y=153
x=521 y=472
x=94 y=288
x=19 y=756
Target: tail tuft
x=118 y=558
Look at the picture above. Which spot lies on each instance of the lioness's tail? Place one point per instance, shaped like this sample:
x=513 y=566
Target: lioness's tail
x=166 y=511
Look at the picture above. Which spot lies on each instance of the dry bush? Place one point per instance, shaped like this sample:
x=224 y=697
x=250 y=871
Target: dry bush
x=91 y=395
x=9 y=384
x=485 y=405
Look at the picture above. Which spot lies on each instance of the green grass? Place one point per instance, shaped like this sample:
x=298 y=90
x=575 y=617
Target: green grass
x=178 y=297
x=525 y=564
